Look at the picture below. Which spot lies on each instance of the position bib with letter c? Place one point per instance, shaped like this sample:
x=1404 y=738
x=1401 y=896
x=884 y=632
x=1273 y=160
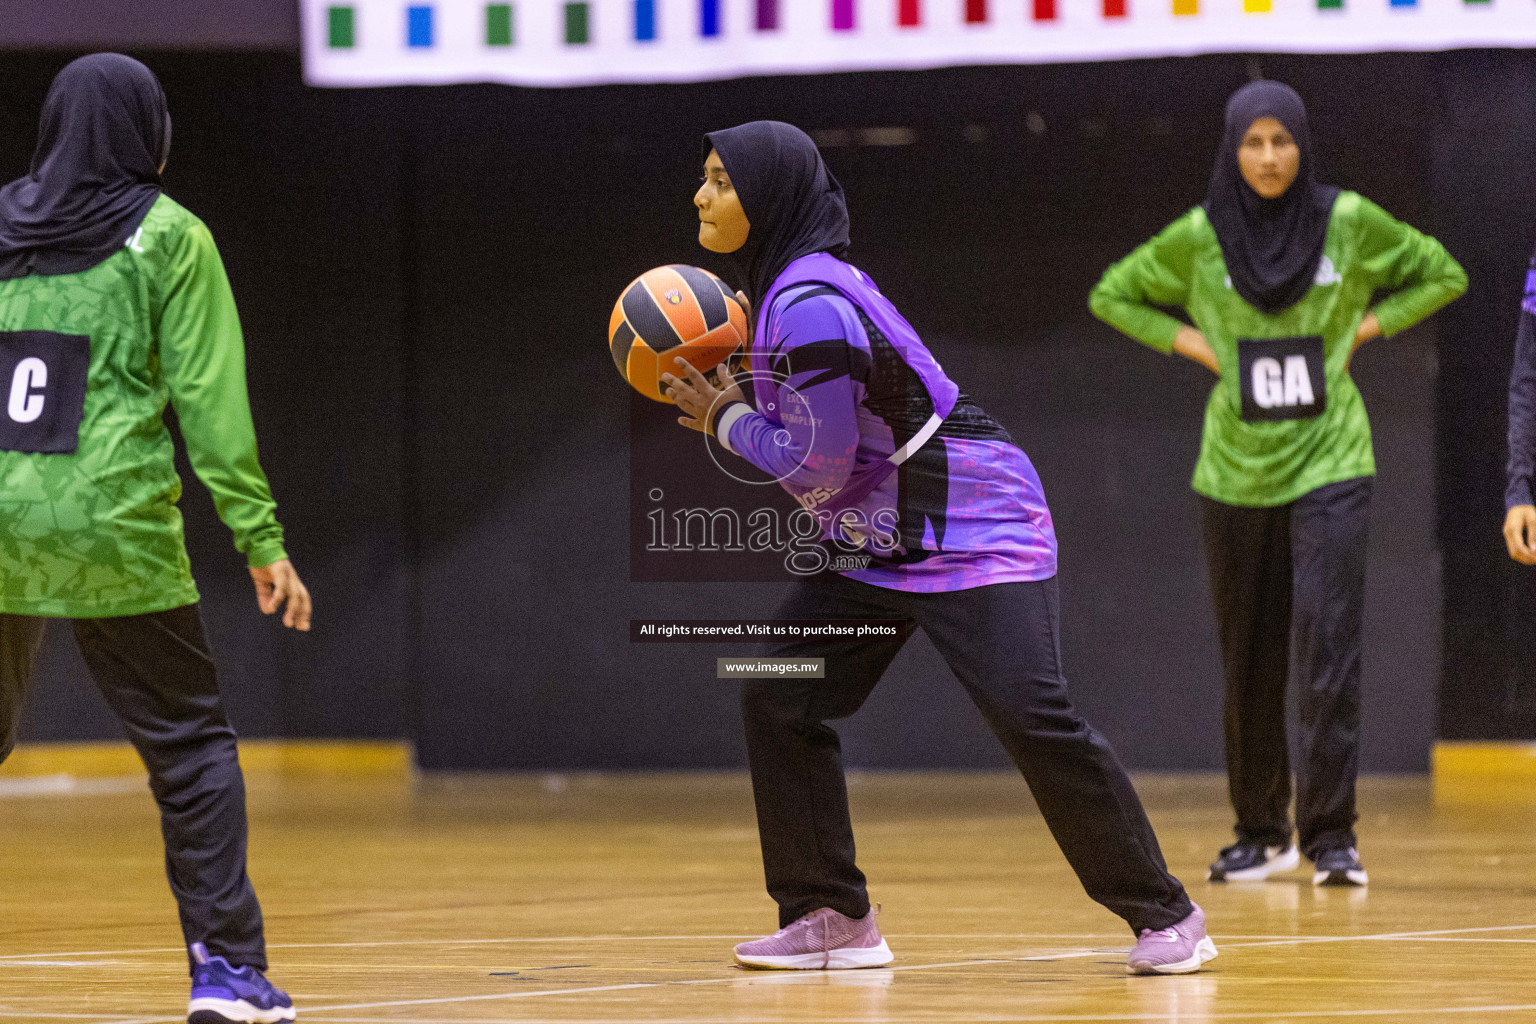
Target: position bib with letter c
x=1281 y=378
x=42 y=390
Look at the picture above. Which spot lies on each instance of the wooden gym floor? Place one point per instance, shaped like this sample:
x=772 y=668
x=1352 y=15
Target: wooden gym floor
x=474 y=901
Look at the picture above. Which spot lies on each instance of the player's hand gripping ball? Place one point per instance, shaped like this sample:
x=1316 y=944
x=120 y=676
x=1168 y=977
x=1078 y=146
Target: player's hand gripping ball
x=669 y=312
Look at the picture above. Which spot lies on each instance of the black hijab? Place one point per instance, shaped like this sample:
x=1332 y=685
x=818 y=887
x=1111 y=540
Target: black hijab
x=105 y=132
x=1271 y=246
x=792 y=200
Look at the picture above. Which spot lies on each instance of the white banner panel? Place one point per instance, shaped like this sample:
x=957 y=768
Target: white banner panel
x=582 y=42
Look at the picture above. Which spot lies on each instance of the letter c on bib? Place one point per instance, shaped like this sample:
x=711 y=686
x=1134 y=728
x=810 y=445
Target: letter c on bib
x=1268 y=386
x=27 y=382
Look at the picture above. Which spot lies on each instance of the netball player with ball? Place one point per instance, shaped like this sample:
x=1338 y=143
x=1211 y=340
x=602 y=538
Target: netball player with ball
x=850 y=411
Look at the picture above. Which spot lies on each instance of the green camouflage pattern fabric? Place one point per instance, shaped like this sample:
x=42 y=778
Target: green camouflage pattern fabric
x=97 y=532
x=1367 y=251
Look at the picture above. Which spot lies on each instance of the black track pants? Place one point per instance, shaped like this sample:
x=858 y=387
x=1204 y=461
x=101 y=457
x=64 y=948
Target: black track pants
x=1289 y=586
x=158 y=676
x=1002 y=641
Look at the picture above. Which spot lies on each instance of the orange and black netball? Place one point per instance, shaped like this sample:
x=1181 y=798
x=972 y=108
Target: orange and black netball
x=668 y=312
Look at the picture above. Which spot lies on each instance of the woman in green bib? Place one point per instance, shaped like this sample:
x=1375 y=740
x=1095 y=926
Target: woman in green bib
x=1277 y=273
x=113 y=305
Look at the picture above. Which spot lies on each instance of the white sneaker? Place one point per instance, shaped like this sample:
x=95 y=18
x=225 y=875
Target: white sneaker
x=1250 y=862
x=1339 y=867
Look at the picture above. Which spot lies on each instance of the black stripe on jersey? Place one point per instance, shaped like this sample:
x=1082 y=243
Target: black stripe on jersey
x=623 y=338
x=893 y=390
x=648 y=321
x=922 y=492
x=970 y=422
x=711 y=302
x=895 y=393
x=812 y=290
x=810 y=293
x=827 y=360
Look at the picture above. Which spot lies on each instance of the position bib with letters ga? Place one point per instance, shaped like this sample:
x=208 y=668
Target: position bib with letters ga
x=1282 y=378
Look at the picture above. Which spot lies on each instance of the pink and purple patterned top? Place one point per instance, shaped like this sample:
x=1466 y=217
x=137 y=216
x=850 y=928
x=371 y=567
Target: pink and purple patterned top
x=841 y=381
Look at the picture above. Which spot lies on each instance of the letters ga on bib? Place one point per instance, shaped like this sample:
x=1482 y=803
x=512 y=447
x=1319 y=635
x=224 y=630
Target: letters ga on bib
x=1281 y=378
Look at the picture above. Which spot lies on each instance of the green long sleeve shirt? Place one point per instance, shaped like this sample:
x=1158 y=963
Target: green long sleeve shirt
x=1265 y=462
x=95 y=532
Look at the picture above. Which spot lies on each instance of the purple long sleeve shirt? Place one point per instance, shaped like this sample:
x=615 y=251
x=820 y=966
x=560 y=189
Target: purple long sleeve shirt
x=1522 y=400
x=966 y=510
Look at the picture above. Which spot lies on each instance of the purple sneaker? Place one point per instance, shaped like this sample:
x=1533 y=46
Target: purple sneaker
x=822 y=940
x=1177 y=950
x=222 y=994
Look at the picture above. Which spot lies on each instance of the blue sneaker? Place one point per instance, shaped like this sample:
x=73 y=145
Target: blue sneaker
x=222 y=994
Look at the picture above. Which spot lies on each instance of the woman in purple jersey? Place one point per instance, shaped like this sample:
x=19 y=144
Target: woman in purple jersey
x=850 y=412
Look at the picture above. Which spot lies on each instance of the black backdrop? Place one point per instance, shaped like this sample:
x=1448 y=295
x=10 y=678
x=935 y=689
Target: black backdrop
x=424 y=276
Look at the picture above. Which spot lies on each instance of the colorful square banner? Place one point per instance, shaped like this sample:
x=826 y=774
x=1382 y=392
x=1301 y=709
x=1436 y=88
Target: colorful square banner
x=582 y=42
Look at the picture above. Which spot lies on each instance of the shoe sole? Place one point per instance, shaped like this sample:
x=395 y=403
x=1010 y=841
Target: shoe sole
x=1286 y=861
x=842 y=959
x=1205 y=951
x=1352 y=877
x=207 y=1010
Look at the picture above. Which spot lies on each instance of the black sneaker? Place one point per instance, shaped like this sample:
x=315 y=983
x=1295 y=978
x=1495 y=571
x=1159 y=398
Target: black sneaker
x=1252 y=862
x=1339 y=867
